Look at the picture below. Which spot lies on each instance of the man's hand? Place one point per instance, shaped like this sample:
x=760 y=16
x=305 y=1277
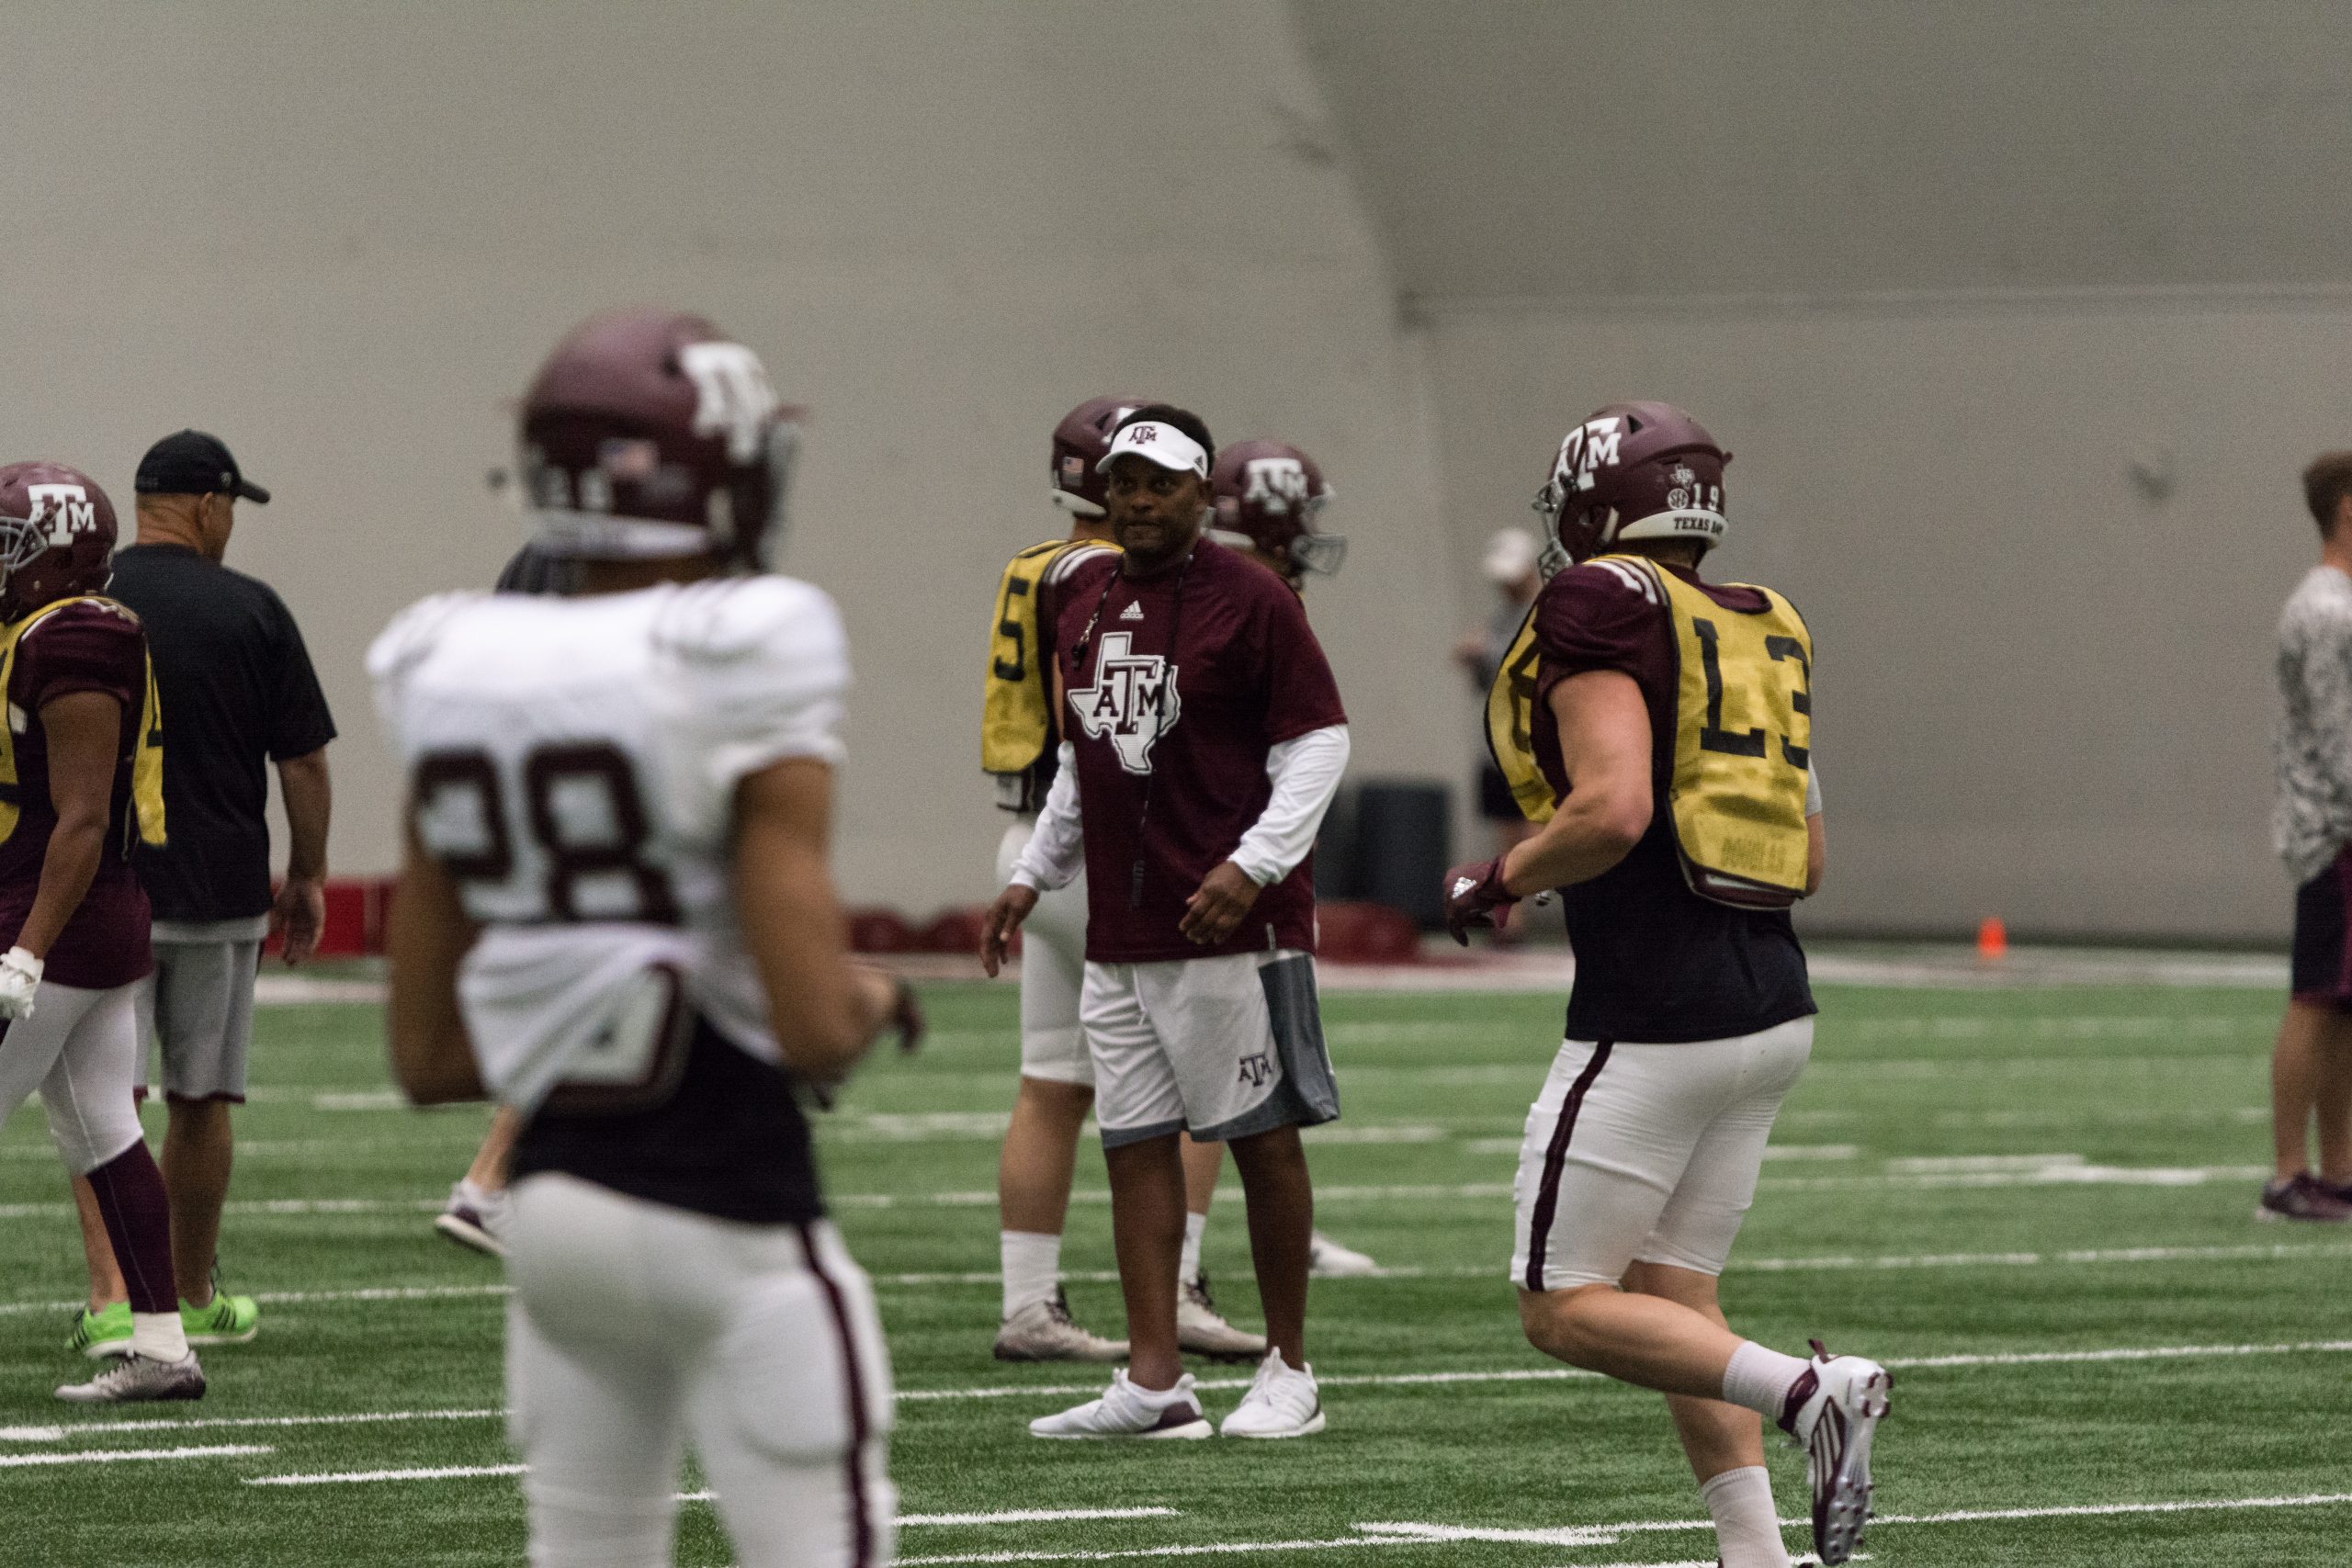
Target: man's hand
x=300 y=915
x=1012 y=907
x=1225 y=896
x=19 y=978
x=1473 y=894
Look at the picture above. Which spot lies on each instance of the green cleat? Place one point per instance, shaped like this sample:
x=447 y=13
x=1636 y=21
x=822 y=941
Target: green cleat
x=107 y=1333
x=223 y=1320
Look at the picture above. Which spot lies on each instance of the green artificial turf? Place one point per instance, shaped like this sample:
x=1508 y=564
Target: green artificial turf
x=1848 y=1241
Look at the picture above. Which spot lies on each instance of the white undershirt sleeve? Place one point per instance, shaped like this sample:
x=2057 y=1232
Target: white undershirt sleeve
x=1055 y=852
x=1812 y=787
x=1305 y=776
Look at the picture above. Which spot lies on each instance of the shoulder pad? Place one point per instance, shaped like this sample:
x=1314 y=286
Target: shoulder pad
x=726 y=620
x=412 y=633
x=1607 y=578
x=1079 y=553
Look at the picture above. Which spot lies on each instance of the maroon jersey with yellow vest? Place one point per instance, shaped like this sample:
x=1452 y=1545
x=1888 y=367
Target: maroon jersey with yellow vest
x=1175 y=688
x=88 y=645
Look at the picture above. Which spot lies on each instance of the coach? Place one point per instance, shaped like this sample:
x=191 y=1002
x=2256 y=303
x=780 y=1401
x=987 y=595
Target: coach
x=236 y=688
x=1203 y=741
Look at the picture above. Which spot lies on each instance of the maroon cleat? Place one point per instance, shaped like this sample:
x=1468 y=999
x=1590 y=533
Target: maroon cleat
x=2303 y=1196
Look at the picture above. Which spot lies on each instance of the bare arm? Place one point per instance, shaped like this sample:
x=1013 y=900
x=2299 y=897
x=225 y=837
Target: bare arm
x=301 y=912
x=427 y=934
x=825 y=1010
x=1605 y=749
x=85 y=734
x=1817 y=855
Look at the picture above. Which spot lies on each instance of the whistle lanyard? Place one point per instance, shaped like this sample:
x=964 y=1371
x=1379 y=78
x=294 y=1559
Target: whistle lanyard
x=1159 y=701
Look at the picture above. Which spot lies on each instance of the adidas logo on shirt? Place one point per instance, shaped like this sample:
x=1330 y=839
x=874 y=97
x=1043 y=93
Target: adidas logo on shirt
x=1132 y=613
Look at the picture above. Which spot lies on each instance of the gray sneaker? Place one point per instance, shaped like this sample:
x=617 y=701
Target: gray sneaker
x=1201 y=1331
x=1043 y=1331
x=2303 y=1196
x=136 y=1378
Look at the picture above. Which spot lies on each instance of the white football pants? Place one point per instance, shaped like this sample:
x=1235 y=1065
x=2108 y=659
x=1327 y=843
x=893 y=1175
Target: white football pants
x=635 y=1325
x=1053 y=967
x=80 y=1048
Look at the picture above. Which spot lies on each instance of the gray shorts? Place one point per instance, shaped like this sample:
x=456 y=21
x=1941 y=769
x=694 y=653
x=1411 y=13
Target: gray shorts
x=197 y=1006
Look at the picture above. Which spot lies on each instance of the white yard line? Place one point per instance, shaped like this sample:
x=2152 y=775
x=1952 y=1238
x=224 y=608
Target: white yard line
x=354 y=1477
x=305 y=1298
x=115 y=1456
x=62 y=1431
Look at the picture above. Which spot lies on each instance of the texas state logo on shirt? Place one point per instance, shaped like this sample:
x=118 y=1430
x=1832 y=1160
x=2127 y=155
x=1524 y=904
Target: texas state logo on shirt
x=1133 y=703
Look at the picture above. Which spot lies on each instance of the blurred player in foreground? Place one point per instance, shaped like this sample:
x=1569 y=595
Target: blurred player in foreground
x=85 y=774
x=1206 y=740
x=616 y=916
x=1671 y=720
x=2311 y=1066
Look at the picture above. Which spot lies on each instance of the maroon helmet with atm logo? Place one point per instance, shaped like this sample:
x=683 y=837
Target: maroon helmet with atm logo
x=650 y=434
x=57 y=533
x=1267 y=497
x=1081 y=440
x=1638 y=470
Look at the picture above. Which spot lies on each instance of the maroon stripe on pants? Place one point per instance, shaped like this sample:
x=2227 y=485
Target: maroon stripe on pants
x=854 y=1378
x=1556 y=1156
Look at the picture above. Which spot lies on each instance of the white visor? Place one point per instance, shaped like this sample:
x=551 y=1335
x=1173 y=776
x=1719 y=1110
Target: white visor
x=1159 y=443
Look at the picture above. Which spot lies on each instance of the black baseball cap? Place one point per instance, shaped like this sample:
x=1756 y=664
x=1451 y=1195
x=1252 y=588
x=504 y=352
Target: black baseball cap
x=193 y=463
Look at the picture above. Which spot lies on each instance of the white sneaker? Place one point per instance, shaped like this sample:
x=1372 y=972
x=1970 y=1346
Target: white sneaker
x=1043 y=1331
x=1283 y=1402
x=1328 y=1259
x=1201 y=1330
x=1836 y=1406
x=474 y=1217
x=136 y=1378
x=1128 y=1411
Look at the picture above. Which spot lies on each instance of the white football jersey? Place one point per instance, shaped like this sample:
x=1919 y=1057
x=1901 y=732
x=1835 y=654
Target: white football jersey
x=573 y=763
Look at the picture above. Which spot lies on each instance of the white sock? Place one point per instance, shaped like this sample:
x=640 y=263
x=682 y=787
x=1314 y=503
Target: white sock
x=158 y=1335
x=1747 y=1527
x=1760 y=1379
x=1032 y=1268
x=1189 y=1268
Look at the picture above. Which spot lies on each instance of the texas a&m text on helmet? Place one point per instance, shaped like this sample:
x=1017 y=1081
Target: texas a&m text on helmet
x=57 y=533
x=1267 y=497
x=1632 y=472
x=650 y=434
x=1081 y=440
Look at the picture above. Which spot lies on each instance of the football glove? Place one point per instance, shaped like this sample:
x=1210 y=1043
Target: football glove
x=1473 y=895
x=19 y=978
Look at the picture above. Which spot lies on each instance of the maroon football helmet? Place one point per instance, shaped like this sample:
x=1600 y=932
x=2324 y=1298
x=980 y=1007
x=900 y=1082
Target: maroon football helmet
x=648 y=434
x=1267 y=497
x=1640 y=470
x=56 y=537
x=1080 y=442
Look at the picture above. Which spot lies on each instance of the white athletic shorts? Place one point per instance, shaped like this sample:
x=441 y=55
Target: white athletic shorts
x=1225 y=1047
x=635 y=1326
x=1648 y=1154
x=1053 y=967
x=80 y=1048
x=197 y=1006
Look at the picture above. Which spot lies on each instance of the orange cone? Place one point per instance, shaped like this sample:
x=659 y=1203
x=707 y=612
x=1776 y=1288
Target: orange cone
x=1992 y=938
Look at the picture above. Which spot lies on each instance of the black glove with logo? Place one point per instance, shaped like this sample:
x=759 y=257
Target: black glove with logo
x=1473 y=894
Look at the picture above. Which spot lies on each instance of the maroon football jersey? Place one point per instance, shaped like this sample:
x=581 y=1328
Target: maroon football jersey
x=1656 y=962
x=1176 y=687
x=90 y=645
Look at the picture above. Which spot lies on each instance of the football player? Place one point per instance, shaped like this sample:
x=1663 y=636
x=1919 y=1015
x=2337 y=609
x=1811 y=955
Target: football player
x=1019 y=737
x=615 y=915
x=1662 y=725
x=1205 y=741
x=84 y=766
x=1268 y=497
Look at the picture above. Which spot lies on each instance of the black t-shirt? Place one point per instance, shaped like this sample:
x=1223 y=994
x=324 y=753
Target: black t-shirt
x=729 y=1142
x=1656 y=962
x=237 y=691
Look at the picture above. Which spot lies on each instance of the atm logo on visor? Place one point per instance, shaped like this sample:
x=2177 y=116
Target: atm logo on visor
x=1132 y=704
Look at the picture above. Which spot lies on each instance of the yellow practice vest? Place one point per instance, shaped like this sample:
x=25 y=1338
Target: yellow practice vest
x=1743 y=739
x=147 y=757
x=1016 y=711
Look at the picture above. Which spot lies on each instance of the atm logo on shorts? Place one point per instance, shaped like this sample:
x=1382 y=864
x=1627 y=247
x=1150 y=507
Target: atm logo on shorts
x=1256 y=1070
x=1132 y=704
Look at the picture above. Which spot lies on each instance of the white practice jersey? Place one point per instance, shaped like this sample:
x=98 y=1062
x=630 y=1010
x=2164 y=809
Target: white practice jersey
x=572 y=762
